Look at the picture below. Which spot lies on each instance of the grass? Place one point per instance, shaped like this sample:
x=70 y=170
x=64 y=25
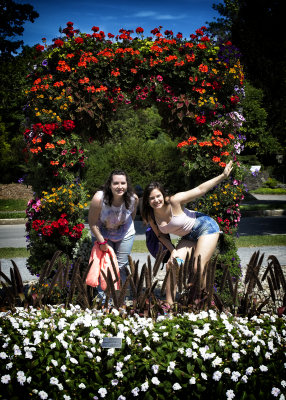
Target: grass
x=269 y=191
x=13 y=204
x=140 y=245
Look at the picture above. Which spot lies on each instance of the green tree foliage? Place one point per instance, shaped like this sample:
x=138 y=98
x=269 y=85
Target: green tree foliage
x=13 y=82
x=12 y=18
x=13 y=72
x=139 y=146
x=256 y=28
x=259 y=138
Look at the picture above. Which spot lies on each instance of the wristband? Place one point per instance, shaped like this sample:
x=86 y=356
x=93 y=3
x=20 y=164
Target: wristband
x=102 y=243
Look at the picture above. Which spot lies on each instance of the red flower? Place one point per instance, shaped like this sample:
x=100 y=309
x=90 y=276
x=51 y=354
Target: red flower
x=95 y=28
x=200 y=120
x=168 y=33
x=68 y=125
x=234 y=99
x=39 y=47
x=79 y=40
x=58 y=43
x=203 y=68
x=110 y=35
x=179 y=35
x=47 y=230
x=139 y=30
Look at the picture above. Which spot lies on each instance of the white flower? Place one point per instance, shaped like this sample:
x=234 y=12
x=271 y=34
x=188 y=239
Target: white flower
x=144 y=387
x=249 y=371
x=204 y=376
x=54 y=381
x=135 y=391
x=227 y=371
x=216 y=361
x=217 y=375
x=110 y=352
x=55 y=363
x=114 y=382
x=102 y=391
x=235 y=375
x=121 y=397
x=263 y=368
x=9 y=365
x=82 y=386
x=107 y=322
x=5 y=379
x=63 y=368
x=192 y=381
x=67 y=397
x=244 y=379
x=73 y=360
x=21 y=377
x=155 y=381
x=230 y=394
x=177 y=386
x=189 y=352
x=283 y=384
x=43 y=395
x=275 y=391
x=119 y=374
x=282 y=397
x=235 y=357
x=127 y=357
x=3 y=355
x=119 y=366
x=155 y=368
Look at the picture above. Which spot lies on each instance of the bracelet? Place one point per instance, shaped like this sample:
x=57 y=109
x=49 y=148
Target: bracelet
x=102 y=243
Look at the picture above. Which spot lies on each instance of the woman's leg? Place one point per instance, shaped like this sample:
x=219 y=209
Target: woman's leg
x=184 y=247
x=205 y=247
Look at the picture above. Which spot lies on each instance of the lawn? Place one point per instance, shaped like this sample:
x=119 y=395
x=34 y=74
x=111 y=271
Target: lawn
x=140 y=245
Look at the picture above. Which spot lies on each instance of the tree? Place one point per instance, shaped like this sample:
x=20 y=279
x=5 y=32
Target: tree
x=256 y=28
x=12 y=18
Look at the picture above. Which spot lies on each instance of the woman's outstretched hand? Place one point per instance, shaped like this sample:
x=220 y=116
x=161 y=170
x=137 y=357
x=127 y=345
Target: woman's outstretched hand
x=227 y=169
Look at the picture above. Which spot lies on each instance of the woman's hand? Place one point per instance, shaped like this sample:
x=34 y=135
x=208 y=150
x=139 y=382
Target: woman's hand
x=103 y=247
x=227 y=170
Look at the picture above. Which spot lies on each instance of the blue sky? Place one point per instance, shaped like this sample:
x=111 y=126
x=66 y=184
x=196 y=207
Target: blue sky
x=183 y=16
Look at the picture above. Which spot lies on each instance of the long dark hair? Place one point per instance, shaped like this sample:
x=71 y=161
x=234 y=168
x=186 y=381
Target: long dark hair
x=107 y=193
x=146 y=210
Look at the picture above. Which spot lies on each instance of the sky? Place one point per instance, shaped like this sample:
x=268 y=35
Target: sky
x=183 y=16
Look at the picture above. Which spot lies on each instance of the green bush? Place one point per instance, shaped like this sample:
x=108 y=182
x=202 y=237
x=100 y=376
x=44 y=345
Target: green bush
x=58 y=353
x=143 y=160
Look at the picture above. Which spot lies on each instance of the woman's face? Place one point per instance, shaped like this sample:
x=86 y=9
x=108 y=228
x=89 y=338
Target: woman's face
x=118 y=185
x=156 y=199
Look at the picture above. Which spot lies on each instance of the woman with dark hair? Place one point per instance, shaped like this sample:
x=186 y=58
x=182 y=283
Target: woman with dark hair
x=168 y=215
x=111 y=217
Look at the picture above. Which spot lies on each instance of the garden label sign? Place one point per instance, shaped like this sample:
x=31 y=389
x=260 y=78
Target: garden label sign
x=111 y=342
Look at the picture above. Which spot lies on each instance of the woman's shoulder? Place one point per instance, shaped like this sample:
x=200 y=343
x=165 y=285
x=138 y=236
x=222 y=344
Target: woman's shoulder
x=97 y=197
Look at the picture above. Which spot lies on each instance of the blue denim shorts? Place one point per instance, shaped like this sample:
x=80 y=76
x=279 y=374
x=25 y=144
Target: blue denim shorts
x=204 y=225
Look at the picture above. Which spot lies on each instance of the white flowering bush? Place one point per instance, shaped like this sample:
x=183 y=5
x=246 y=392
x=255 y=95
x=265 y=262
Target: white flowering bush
x=57 y=353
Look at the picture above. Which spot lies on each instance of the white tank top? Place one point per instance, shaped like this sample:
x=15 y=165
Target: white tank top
x=116 y=223
x=181 y=224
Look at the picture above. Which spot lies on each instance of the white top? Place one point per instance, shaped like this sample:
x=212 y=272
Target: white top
x=116 y=223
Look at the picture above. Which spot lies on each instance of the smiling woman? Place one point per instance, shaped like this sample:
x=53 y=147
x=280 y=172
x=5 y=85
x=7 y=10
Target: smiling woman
x=111 y=217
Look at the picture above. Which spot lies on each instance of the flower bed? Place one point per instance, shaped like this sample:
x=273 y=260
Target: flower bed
x=57 y=353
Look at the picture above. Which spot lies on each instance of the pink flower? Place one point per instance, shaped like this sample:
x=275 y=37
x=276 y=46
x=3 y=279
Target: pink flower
x=159 y=78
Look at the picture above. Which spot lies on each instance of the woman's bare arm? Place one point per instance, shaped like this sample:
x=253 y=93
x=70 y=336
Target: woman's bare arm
x=189 y=195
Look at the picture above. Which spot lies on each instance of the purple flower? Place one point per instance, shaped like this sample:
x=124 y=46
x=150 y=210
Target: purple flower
x=45 y=63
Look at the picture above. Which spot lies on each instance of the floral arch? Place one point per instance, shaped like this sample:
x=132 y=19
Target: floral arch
x=80 y=80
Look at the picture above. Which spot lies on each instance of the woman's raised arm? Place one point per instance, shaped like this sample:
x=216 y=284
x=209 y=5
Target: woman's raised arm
x=192 y=194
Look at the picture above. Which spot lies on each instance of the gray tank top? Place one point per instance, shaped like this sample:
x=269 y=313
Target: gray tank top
x=179 y=225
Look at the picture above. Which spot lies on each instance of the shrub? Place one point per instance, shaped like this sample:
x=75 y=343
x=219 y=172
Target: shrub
x=58 y=353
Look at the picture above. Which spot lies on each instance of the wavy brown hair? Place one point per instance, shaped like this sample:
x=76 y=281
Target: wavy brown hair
x=107 y=193
x=146 y=210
